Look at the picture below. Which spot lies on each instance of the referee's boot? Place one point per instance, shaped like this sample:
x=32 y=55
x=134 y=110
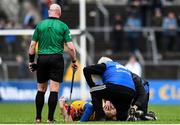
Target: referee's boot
x=51 y=121
x=38 y=120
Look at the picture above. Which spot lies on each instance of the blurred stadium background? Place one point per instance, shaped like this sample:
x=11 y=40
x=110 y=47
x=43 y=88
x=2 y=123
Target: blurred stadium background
x=113 y=28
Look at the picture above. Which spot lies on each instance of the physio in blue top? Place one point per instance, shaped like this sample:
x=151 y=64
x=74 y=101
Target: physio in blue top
x=118 y=87
x=117 y=74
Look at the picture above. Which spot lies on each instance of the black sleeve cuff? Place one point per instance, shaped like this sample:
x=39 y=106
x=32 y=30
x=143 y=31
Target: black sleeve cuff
x=31 y=57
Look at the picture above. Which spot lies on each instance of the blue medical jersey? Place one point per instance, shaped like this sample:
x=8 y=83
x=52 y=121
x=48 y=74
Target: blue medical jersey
x=116 y=73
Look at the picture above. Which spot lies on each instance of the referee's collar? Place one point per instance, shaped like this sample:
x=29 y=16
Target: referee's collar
x=53 y=18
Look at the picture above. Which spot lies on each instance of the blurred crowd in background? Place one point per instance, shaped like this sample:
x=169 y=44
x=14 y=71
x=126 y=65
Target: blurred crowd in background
x=145 y=13
x=140 y=13
x=25 y=14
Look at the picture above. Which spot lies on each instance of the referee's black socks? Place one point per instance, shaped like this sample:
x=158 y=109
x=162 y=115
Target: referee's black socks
x=39 y=104
x=52 y=102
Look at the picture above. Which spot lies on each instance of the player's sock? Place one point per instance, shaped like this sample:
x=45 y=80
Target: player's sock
x=52 y=102
x=39 y=104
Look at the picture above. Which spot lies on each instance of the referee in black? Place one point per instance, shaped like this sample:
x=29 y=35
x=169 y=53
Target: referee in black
x=51 y=35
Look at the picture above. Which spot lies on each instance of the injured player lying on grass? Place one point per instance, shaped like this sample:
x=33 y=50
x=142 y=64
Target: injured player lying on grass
x=83 y=111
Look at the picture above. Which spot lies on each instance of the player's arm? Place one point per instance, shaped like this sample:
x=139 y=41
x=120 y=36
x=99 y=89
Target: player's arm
x=88 y=111
x=63 y=110
x=97 y=69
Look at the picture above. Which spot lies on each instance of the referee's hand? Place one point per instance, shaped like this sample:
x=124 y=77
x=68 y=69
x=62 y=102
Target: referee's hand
x=74 y=66
x=32 y=66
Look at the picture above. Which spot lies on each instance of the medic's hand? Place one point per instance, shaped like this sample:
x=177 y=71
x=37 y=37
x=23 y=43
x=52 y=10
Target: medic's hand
x=108 y=105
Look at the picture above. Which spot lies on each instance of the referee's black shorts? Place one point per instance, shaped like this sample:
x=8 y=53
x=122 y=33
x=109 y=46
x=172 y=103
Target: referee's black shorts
x=50 y=67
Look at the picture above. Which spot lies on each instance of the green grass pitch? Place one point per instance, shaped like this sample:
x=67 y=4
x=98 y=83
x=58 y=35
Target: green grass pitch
x=25 y=113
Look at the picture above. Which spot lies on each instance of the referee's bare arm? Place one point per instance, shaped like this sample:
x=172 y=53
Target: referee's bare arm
x=32 y=49
x=72 y=52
